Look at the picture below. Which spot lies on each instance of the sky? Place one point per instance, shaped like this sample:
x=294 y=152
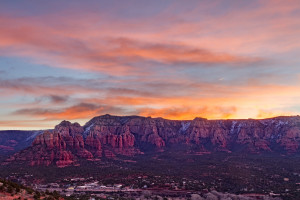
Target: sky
x=217 y=59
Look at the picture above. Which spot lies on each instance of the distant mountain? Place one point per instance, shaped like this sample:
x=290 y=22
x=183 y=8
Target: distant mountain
x=13 y=141
x=115 y=136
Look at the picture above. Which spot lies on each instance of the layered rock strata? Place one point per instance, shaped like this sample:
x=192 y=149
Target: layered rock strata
x=111 y=136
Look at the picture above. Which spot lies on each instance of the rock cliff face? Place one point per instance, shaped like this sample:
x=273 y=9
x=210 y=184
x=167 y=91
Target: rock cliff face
x=110 y=136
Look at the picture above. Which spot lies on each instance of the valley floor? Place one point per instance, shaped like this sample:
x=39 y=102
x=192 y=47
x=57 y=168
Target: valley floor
x=244 y=174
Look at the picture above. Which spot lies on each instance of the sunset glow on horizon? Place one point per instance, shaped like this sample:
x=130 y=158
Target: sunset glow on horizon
x=74 y=60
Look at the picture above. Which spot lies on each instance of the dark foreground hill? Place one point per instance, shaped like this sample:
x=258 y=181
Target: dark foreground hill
x=11 y=191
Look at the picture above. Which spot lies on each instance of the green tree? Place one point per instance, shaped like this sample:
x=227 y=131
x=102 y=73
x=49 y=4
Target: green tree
x=37 y=195
x=18 y=189
x=10 y=189
x=56 y=194
x=29 y=190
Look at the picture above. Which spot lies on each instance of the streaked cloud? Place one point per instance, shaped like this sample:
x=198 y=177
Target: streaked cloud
x=172 y=59
x=103 y=54
x=79 y=111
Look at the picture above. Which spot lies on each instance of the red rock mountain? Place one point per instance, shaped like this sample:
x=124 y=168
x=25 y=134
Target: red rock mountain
x=110 y=136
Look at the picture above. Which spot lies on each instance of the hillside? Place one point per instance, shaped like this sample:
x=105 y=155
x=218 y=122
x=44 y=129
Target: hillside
x=10 y=191
x=12 y=141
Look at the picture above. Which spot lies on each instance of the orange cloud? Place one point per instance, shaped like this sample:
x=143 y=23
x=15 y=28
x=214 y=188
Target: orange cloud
x=172 y=53
x=44 y=44
x=79 y=111
x=262 y=114
x=25 y=124
x=187 y=113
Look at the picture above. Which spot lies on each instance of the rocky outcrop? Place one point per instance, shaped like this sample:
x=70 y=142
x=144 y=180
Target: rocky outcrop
x=109 y=136
x=62 y=146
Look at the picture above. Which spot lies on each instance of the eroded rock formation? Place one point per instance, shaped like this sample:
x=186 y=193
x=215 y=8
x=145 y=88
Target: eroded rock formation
x=109 y=136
